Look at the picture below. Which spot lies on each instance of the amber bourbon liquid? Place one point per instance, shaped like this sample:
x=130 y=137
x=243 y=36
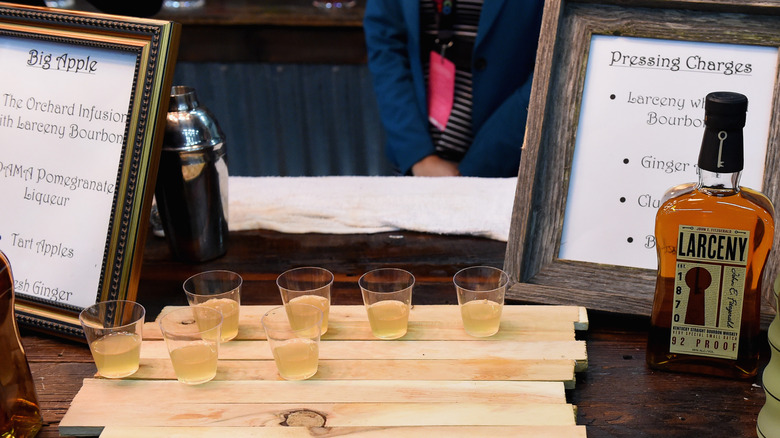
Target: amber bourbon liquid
x=21 y=414
x=713 y=240
x=718 y=352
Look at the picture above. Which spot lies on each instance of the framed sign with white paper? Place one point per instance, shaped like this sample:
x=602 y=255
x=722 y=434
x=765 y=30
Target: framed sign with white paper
x=83 y=99
x=616 y=119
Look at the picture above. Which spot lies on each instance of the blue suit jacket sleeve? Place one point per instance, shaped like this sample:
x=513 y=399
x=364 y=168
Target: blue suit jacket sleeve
x=393 y=59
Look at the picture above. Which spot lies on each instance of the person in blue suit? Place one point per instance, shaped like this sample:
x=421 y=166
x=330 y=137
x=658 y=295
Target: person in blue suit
x=498 y=59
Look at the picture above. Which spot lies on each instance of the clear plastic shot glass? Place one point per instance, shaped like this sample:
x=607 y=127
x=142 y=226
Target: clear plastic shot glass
x=387 y=295
x=481 y=291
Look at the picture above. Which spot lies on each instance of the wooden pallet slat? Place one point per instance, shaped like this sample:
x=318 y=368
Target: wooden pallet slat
x=326 y=391
x=435 y=322
x=363 y=432
x=406 y=350
x=176 y=413
x=435 y=381
x=446 y=369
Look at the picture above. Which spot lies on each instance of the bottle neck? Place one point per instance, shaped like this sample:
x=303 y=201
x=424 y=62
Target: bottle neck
x=721 y=160
x=719 y=184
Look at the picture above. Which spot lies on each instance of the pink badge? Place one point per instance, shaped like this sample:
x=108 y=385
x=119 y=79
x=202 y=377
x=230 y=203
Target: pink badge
x=441 y=90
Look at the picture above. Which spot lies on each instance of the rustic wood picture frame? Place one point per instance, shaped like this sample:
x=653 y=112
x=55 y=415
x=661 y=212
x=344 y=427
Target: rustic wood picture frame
x=532 y=262
x=154 y=44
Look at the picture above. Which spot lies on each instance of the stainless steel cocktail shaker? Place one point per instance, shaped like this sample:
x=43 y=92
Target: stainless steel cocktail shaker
x=192 y=183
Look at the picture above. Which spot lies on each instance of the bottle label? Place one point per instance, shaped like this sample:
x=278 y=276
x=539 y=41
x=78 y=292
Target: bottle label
x=709 y=290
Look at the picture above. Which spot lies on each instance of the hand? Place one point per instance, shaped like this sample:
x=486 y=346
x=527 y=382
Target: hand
x=433 y=165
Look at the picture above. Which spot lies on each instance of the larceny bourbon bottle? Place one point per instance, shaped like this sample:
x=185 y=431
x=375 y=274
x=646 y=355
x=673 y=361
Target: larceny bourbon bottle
x=21 y=415
x=713 y=239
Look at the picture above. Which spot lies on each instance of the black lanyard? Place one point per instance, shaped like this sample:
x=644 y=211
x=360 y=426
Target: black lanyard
x=445 y=22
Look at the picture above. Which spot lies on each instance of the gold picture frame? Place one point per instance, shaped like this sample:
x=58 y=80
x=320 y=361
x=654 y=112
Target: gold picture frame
x=532 y=261
x=73 y=153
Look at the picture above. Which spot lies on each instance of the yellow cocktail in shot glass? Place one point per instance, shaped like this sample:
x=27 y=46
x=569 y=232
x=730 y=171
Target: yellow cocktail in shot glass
x=481 y=291
x=219 y=290
x=387 y=295
x=307 y=285
x=293 y=333
x=114 y=332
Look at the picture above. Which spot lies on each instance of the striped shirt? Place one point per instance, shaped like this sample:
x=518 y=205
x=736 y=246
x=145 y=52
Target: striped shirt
x=454 y=141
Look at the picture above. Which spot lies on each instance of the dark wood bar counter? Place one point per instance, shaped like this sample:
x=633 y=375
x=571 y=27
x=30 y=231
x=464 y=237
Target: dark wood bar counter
x=617 y=396
x=270 y=31
x=276 y=31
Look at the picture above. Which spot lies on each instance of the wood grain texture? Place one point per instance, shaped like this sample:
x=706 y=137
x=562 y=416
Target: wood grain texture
x=269 y=415
x=277 y=31
x=274 y=31
x=532 y=250
x=266 y=12
x=359 y=383
x=616 y=397
x=561 y=370
x=426 y=322
x=363 y=432
x=657 y=404
x=402 y=350
x=325 y=391
x=260 y=256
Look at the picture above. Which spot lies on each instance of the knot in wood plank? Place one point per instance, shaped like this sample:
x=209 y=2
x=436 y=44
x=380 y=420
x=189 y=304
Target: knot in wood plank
x=303 y=418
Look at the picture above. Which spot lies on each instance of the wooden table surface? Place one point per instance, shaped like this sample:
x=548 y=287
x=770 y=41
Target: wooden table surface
x=617 y=396
x=279 y=31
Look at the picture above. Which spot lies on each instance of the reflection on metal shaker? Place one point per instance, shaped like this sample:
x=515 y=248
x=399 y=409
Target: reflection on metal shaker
x=192 y=182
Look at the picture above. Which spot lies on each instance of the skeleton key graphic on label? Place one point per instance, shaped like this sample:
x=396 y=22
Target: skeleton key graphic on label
x=722 y=137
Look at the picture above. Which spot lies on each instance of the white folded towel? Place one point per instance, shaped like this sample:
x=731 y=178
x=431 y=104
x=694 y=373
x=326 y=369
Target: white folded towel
x=358 y=204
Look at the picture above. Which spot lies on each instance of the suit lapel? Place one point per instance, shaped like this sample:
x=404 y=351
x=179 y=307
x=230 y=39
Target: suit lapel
x=411 y=11
x=490 y=11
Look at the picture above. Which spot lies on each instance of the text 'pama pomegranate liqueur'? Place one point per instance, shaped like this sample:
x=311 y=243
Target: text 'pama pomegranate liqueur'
x=713 y=239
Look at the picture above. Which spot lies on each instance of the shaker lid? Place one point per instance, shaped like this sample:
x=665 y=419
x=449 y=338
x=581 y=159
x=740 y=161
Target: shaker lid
x=189 y=125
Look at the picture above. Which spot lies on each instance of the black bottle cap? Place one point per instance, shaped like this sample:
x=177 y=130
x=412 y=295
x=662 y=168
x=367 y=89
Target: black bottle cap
x=722 y=145
x=725 y=110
